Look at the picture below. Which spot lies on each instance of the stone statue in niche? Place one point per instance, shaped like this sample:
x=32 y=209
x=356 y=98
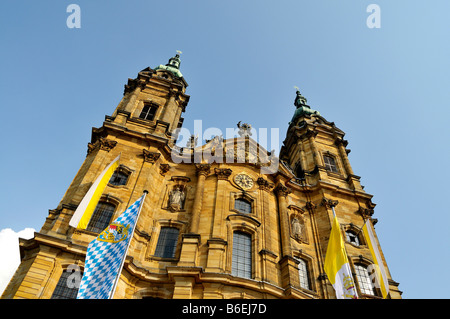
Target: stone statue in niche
x=298 y=228
x=176 y=198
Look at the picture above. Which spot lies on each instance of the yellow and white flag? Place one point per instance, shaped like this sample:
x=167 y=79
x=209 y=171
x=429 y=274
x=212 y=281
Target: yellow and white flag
x=337 y=267
x=85 y=209
x=380 y=271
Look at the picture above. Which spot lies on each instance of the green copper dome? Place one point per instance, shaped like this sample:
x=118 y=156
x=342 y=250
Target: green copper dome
x=302 y=107
x=173 y=66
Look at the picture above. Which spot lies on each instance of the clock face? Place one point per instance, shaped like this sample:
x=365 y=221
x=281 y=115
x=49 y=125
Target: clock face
x=244 y=181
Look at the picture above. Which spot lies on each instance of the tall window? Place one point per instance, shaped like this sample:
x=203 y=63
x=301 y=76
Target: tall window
x=243 y=205
x=330 y=164
x=148 y=112
x=101 y=217
x=303 y=274
x=364 y=280
x=62 y=290
x=242 y=255
x=167 y=242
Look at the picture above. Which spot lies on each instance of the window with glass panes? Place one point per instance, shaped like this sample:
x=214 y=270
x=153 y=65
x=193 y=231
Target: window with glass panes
x=243 y=206
x=148 y=112
x=352 y=237
x=241 y=265
x=118 y=178
x=167 y=242
x=330 y=164
x=101 y=217
x=62 y=290
x=303 y=274
x=364 y=280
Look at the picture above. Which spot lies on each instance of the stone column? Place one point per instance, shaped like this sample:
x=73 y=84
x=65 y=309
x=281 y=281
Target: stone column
x=303 y=162
x=340 y=144
x=221 y=200
x=202 y=171
x=282 y=191
x=217 y=243
x=170 y=108
x=268 y=257
x=176 y=119
x=311 y=135
x=352 y=179
x=129 y=107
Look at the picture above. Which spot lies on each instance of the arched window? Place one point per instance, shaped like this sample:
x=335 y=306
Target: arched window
x=330 y=163
x=243 y=205
x=63 y=290
x=101 y=217
x=167 y=242
x=365 y=282
x=241 y=265
x=303 y=274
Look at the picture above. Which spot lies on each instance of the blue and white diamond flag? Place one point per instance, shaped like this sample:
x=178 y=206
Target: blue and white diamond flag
x=106 y=253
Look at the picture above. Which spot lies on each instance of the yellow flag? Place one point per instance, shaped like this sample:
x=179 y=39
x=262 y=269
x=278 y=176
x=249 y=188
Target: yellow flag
x=84 y=211
x=380 y=272
x=337 y=266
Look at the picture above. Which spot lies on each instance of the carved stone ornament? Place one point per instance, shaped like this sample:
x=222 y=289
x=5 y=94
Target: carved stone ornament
x=192 y=142
x=203 y=169
x=150 y=157
x=282 y=190
x=103 y=144
x=223 y=173
x=176 y=198
x=328 y=203
x=177 y=193
x=310 y=205
x=298 y=229
x=133 y=84
x=264 y=184
x=366 y=212
x=164 y=168
x=244 y=129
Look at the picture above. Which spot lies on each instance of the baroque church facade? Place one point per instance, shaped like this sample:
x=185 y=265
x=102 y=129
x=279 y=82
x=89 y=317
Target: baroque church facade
x=214 y=224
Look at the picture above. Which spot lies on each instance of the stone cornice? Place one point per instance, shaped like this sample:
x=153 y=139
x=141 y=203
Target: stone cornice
x=52 y=241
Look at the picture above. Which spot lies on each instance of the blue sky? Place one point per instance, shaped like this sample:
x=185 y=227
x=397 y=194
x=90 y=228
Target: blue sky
x=387 y=88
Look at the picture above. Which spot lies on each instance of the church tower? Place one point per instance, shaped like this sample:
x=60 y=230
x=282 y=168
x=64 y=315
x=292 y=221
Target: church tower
x=214 y=225
x=314 y=151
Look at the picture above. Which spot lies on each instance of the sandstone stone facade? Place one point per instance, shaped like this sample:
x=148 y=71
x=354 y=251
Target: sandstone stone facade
x=288 y=218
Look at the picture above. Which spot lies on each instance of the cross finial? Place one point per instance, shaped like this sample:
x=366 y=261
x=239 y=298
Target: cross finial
x=179 y=52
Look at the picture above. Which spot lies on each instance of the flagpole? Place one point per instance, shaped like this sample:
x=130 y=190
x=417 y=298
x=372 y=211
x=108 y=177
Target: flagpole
x=128 y=246
x=365 y=221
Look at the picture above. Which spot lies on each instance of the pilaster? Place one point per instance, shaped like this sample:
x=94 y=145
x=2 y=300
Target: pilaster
x=202 y=171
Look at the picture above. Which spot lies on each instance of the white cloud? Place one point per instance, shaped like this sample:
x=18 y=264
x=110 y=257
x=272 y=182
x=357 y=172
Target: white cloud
x=9 y=250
